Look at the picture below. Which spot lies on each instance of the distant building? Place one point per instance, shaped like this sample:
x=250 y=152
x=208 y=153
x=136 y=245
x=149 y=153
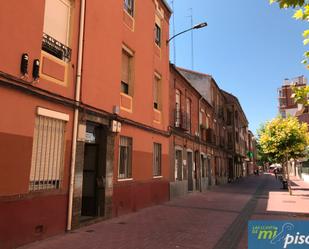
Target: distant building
x=287 y=106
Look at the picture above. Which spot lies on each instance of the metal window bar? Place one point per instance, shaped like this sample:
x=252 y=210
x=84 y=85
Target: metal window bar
x=179 y=170
x=56 y=48
x=157 y=159
x=47 y=154
x=125 y=157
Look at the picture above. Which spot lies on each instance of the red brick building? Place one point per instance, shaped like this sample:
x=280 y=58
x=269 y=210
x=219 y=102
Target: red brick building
x=237 y=137
x=287 y=105
x=191 y=162
x=212 y=131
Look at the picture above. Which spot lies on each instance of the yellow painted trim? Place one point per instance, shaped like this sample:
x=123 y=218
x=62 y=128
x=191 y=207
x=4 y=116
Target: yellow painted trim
x=127 y=49
x=52 y=114
x=131 y=17
x=158 y=75
x=160 y=55
x=124 y=108
x=58 y=61
x=157 y=111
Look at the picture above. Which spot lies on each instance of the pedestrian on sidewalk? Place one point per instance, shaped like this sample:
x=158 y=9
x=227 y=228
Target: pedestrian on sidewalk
x=276 y=173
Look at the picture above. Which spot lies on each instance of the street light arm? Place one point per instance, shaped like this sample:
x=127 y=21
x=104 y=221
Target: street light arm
x=167 y=42
x=198 y=26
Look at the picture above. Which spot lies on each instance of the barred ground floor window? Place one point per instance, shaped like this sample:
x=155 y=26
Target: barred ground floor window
x=178 y=165
x=125 y=158
x=157 y=159
x=47 y=153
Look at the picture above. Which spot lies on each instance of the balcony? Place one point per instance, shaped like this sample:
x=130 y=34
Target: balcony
x=222 y=142
x=203 y=130
x=221 y=112
x=210 y=136
x=181 y=120
x=229 y=145
x=56 y=48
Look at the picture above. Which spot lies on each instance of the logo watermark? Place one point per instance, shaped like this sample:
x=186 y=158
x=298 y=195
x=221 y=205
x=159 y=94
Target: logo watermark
x=278 y=234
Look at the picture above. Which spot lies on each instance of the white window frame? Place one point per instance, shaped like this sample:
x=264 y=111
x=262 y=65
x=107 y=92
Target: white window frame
x=127 y=175
x=68 y=4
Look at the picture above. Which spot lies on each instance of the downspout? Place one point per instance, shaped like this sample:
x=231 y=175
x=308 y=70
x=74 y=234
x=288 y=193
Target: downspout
x=76 y=112
x=199 y=134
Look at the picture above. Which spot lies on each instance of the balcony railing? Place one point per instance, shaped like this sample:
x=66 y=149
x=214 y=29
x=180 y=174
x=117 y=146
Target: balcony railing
x=203 y=132
x=56 y=48
x=210 y=136
x=181 y=120
x=222 y=142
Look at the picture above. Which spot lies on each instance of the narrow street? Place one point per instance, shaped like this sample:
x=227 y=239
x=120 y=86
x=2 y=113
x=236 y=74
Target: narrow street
x=214 y=219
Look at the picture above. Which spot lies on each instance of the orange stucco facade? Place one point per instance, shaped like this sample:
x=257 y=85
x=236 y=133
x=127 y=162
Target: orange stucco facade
x=109 y=29
x=116 y=141
x=34 y=214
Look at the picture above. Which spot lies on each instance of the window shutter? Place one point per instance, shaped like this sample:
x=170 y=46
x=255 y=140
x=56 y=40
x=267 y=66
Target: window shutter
x=125 y=76
x=47 y=153
x=57 y=20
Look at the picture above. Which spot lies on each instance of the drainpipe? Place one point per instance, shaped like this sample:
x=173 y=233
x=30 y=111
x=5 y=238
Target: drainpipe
x=76 y=112
x=199 y=134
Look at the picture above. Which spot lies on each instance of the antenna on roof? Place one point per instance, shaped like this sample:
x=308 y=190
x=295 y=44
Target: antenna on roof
x=192 y=52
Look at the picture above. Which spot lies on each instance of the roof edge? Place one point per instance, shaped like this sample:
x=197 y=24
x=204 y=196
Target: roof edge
x=167 y=6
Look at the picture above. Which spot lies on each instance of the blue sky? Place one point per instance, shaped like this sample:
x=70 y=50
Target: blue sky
x=249 y=47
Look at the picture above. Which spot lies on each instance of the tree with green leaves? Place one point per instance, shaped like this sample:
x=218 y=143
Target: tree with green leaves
x=283 y=139
x=301 y=13
x=300 y=95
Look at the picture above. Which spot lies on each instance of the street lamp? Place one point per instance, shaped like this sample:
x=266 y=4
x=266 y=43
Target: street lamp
x=198 y=26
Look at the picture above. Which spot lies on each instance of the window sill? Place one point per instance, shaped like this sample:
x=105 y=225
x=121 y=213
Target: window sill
x=157 y=177
x=124 y=179
x=128 y=20
x=130 y=15
x=126 y=102
x=158 y=46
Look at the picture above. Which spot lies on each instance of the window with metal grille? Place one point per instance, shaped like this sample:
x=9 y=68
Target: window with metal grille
x=157 y=158
x=203 y=166
x=158 y=35
x=47 y=154
x=129 y=6
x=178 y=165
x=125 y=158
x=56 y=28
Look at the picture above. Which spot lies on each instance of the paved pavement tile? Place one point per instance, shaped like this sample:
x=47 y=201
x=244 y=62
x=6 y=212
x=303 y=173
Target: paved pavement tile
x=214 y=219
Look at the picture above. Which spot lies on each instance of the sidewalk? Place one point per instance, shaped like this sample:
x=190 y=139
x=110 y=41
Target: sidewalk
x=214 y=219
x=282 y=201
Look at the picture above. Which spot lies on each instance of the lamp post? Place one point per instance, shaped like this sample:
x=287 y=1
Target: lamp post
x=198 y=26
